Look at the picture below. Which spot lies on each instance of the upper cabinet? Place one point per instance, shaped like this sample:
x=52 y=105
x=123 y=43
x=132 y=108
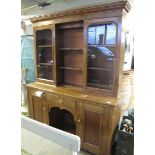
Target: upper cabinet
x=82 y=48
x=44 y=53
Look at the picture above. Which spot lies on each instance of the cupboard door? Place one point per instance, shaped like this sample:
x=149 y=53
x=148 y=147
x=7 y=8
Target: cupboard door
x=39 y=109
x=101 y=52
x=94 y=123
x=44 y=54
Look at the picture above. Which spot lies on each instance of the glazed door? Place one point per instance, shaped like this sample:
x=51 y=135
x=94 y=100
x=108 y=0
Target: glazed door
x=44 y=47
x=101 y=46
x=94 y=127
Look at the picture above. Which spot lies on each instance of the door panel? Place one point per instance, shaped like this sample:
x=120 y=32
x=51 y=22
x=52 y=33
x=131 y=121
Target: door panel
x=92 y=126
x=94 y=123
x=38 y=105
x=38 y=108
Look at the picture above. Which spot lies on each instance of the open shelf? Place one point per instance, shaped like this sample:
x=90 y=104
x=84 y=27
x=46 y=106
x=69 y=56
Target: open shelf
x=71 y=68
x=71 y=49
x=101 y=69
x=104 y=45
x=70 y=39
x=46 y=64
x=70 y=53
x=102 y=86
x=72 y=77
x=44 y=46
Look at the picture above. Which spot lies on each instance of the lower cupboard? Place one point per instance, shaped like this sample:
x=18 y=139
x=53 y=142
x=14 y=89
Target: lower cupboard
x=94 y=123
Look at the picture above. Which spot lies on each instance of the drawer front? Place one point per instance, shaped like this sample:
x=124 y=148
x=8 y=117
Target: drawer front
x=62 y=102
x=69 y=103
x=54 y=99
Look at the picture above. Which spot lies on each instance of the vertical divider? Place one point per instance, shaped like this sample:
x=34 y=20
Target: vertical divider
x=35 y=54
x=85 y=57
x=54 y=53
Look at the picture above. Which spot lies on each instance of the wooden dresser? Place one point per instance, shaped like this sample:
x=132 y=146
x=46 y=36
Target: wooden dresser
x=79 y=85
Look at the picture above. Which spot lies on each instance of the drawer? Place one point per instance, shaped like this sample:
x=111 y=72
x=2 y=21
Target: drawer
x=62 y=102
x=54 y=99
x=69 y=103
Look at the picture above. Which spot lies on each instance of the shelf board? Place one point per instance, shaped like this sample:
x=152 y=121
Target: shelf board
x=44 y=46
x=46 y=64
x=43 y=79
x=99 y=85
x=71 y=85
x=101 y=69
x=71 y=49
x=72 y=68
x=105 y=45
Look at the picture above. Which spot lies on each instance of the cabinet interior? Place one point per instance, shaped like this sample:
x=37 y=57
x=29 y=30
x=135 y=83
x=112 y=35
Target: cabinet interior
x=70 y=53
x=62 y=119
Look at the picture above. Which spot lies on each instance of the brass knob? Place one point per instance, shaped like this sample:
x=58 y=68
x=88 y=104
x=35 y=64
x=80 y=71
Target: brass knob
x=79 y=120
x=60 y=101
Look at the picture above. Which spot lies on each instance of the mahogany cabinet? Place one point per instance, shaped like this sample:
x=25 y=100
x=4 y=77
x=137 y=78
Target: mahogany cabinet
x=79 y=68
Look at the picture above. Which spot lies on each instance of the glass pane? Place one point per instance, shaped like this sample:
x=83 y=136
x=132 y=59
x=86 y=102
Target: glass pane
x=100 y=66
x=44 y=54
x=44 y=37
x=100 y=34
x=91 y=35
x=45 y=72
x=111 y=34
x=44 y=61
x=101 y=55
x=100 y=78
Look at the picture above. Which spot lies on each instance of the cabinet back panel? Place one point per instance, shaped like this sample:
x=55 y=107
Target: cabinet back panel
x=72 y=38
x=73 y=77
x=73 y=59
